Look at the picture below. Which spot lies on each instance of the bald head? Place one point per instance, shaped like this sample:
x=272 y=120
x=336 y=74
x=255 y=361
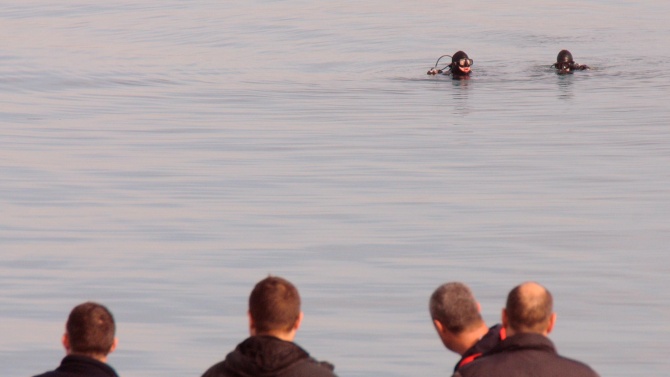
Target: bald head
x=529 y=309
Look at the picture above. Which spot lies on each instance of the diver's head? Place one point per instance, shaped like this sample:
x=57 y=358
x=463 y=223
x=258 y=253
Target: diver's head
x=460 y=63
x=564 y=61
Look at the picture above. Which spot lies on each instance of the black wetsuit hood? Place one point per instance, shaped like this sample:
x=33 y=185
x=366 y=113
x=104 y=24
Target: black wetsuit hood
x=564 y=56
x=455 y=71
x=565 y=64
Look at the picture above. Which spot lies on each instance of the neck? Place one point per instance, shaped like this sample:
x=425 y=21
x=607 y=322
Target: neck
x=470 y=337
x=101 y=358
x=283 y=335
x=511 y=332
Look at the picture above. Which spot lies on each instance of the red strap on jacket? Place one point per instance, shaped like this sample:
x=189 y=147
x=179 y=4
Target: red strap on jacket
x=471 y=358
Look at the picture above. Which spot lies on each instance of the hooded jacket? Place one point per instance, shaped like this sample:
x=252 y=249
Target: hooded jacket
x=81 y=366
x=495 y=335
x=267 y=356
x=525 y=355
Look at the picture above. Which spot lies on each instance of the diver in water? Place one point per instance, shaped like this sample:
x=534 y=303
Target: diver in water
x=565 y=64
x=459 y=68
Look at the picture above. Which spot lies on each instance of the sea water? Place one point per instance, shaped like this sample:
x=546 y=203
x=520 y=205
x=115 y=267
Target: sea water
x=162 y=157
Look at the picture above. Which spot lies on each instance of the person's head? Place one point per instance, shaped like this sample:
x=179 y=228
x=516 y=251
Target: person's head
x=529 y=309
x=564 y=61
x=460 y=64
x=455 y=314
x=90 y=331
x=274 y=308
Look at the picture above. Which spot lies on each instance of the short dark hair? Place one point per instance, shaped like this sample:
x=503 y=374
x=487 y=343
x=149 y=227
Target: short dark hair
x=274 y=305
x=90 y=328
x=455 y=307
x=529 y=311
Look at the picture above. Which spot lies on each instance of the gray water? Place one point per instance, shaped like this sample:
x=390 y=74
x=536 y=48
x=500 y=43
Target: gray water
x=162 y=157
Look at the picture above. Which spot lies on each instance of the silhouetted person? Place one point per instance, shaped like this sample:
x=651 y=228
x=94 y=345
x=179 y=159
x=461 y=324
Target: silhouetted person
x=459 y=68
x=274 y=319
x=459 y=324
x=88 y=339
x=565 y=64
x=528 y=318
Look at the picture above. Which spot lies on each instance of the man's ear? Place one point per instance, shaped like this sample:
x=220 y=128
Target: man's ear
x=252 y=326
x=299 y=321
x=113 y=347
x=438 y=326
x=552 y=322
x=66 y=342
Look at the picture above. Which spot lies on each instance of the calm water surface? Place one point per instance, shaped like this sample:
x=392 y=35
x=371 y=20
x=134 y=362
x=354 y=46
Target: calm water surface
x=163 y=157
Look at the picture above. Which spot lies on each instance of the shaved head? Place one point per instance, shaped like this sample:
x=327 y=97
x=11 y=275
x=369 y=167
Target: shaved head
x=529 y=308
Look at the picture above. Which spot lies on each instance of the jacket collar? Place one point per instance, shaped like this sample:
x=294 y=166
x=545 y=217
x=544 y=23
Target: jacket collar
x=525 y=341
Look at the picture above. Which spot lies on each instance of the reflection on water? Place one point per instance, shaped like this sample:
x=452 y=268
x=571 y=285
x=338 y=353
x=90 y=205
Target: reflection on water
x=162 y=159
x=564 y=87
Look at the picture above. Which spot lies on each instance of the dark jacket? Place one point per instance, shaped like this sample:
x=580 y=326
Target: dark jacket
x=525 y=355
x=495 y=335
x=267 y=356
x=81 y=366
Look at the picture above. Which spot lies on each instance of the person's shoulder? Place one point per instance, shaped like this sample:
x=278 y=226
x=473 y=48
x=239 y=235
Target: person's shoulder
x=48 y=374
x=302 y=364
x=311 y=367
x=477 y=367
x=216 y=370
x=578 y=368
x=78 y=366
x=468 y=370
